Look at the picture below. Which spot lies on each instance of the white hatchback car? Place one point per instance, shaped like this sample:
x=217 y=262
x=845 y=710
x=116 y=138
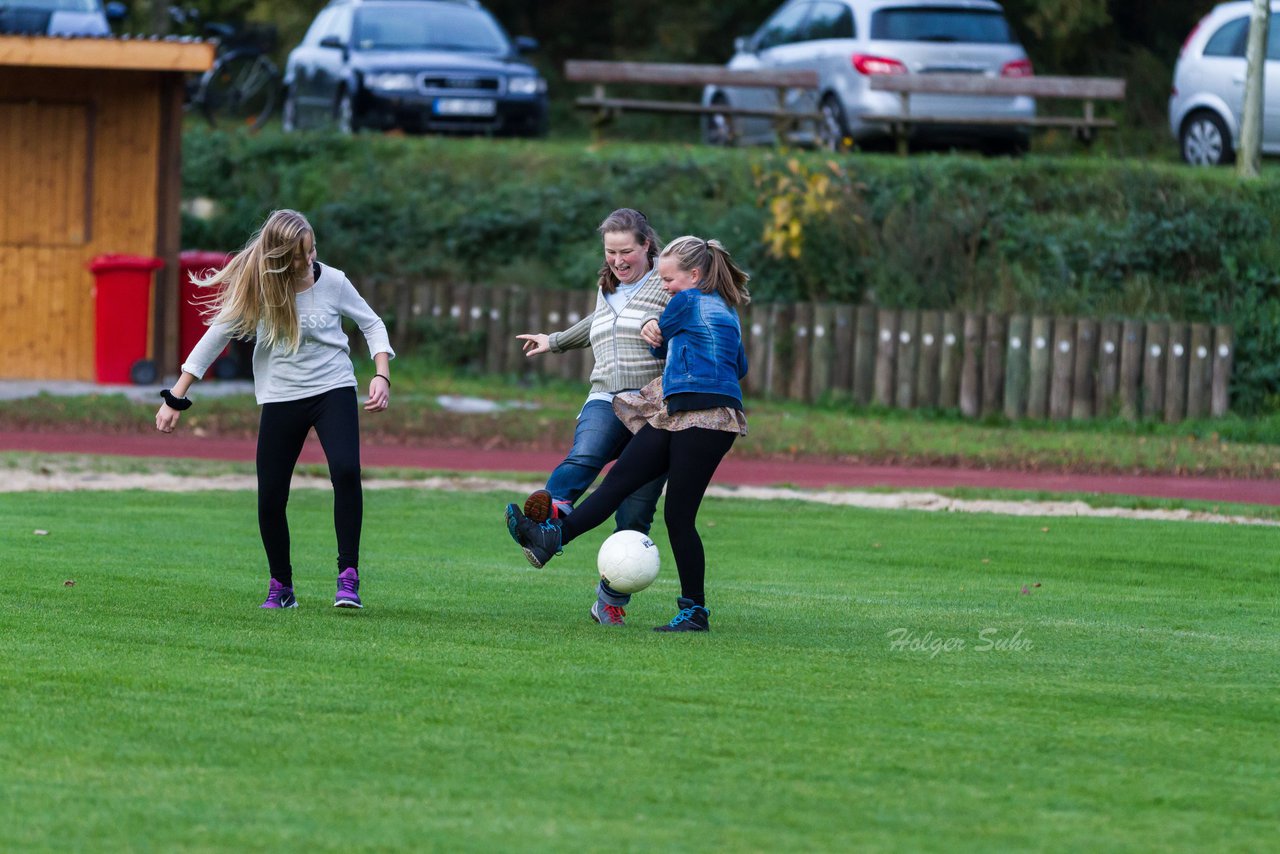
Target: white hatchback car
x=848 y=41
x=1207 y=98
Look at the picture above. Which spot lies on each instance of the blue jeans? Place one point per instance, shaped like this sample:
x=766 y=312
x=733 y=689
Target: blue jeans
x=598 y=439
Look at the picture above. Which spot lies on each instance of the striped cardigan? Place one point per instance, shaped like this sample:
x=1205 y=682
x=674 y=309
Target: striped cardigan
x=623 y=360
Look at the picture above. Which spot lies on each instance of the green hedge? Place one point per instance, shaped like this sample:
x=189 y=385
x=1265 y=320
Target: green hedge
x=1086 y=236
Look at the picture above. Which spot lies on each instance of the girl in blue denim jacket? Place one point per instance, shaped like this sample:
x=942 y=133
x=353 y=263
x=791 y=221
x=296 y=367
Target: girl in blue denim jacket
x=684 y=422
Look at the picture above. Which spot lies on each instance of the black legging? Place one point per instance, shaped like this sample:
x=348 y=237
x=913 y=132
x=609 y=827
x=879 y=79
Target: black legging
x=688 y=458
x=282 y=430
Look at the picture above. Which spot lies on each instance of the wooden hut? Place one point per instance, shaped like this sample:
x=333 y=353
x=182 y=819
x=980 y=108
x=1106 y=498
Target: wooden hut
x=90 y=144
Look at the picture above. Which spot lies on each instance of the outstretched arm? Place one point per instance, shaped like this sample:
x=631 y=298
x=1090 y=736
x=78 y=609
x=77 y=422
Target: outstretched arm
x=535 y=343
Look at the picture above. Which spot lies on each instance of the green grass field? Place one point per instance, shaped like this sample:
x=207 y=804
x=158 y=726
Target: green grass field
x=1127 y=702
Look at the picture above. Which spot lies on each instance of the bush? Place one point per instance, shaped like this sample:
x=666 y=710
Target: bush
x=1085 y=236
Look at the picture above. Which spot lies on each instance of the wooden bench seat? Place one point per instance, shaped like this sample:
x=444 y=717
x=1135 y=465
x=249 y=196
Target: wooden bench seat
x=607 y=106
x=1086 y=89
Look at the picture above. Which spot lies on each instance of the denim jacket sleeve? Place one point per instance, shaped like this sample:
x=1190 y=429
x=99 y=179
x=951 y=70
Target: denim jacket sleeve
x=742 y=360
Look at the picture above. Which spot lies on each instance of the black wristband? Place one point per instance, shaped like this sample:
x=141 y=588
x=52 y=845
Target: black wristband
x=178 y=403
x=385 y=377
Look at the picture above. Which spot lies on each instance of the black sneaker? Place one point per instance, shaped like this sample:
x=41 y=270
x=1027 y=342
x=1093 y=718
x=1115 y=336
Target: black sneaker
x=539 y=540
x=692 y=618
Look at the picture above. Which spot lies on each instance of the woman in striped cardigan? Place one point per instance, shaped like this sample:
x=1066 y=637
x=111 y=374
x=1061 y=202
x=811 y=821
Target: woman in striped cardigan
x=629 y=290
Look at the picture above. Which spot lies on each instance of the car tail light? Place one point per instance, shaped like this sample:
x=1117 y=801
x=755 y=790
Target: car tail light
x=1018 y=68
x=866 y=64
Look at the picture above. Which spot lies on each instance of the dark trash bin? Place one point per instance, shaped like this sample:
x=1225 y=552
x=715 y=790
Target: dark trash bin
x=122 y=311
x=193 y=301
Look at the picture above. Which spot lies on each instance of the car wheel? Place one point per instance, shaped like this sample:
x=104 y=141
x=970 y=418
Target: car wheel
x=718 y=128
x=1205 y=140
x=289 y=112
x=833 y=135
x=344 y=114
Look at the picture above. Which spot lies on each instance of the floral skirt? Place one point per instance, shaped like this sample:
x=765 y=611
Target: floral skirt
x=646 y=406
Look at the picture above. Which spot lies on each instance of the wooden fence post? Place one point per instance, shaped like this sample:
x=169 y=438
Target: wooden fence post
x=820 y=353
x=536 y=322
x=1039 y=367
x=865 y=338
x=756 y=339
x=1199 y=362
x=801 y=355
x=1157 y=336
x=1224 y=350
x=930 y=358
x=887 y=336
x=993 y=364
x=1175 y=376
x=950 y=360
x=971 y=367
x=843 y=322
x=1083 y=388
x=782 y=350
x=571 y=311
x=1064 y=336
x=1108 y=385
x=1133 y=349
x=907 y=359
x=517 y=324
x=1017 y=367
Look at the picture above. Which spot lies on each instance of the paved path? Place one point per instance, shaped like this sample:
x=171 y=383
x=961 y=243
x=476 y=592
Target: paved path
x=735 y=471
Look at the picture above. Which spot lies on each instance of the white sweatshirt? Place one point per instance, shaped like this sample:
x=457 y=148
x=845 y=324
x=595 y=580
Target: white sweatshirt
x=322 y=361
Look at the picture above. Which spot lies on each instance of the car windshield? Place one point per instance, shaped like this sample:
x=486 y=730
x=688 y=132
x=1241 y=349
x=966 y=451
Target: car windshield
x=938 y=24
x=434 y=26
x=52 y=5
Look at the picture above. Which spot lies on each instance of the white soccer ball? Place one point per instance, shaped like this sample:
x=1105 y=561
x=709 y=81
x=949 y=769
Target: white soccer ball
x=628 y=561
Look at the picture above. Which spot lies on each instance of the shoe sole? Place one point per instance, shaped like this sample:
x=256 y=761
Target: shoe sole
x=531 y=557
x=538 y=506
x=281 y=608
x=347 y=603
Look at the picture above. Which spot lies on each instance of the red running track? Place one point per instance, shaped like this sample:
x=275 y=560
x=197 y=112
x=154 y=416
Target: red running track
x=735 y=471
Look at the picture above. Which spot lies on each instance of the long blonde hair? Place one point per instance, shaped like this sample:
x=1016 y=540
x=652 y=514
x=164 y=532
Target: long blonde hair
x=719 y=274
x=256 y=287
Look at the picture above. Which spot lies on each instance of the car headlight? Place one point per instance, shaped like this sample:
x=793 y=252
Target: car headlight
x=526 y=85
x=391 y=81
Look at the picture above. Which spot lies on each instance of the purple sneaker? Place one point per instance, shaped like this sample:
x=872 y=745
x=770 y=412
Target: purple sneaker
x=348 y=595
x=279 y=596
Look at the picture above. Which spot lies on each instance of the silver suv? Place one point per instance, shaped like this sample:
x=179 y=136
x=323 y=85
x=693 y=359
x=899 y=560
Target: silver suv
x=1208 y=86
x=848 y=41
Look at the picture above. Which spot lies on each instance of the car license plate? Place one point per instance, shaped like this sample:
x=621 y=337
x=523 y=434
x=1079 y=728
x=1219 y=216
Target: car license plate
x=465 y=107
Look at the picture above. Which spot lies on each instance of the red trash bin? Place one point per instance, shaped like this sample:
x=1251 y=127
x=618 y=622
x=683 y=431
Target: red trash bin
x=122 y=309
x=193 y=300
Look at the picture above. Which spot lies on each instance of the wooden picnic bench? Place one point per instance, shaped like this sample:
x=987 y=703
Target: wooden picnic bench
x=631 y=74
x=1086 y=89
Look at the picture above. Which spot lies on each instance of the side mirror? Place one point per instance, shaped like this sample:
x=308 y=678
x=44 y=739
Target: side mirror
x=333 y=42
x=526 y=44
x=741 y=44
x=115 y=11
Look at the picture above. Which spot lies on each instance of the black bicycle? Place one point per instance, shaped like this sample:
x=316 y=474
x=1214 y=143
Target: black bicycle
x=242 y=86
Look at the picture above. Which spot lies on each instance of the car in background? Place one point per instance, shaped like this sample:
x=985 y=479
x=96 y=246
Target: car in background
x=59 y=17
x=1207 y=98
x=850 y=41
x=416 y=65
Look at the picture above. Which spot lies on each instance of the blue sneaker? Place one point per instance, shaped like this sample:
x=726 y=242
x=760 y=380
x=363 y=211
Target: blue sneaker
x=348 y=595
x=692 y=618
x=608 y=615
x=279 y=596
x=539 y=540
